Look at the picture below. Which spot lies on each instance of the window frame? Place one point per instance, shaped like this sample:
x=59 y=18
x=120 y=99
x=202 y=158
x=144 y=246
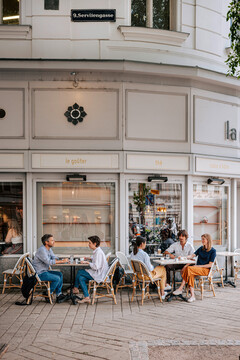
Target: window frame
x=203 y=181
x=18 y=178
x=59 y=178
x=134 y=178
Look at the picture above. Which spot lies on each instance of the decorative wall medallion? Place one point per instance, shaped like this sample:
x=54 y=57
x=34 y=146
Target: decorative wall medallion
x=2 y=113
x=75 y=114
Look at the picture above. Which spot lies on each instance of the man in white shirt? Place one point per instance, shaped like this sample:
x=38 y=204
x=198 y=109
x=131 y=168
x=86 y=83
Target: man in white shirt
x=181 y=248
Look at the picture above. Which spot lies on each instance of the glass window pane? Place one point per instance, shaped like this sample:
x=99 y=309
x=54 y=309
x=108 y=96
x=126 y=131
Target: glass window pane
x=73 y=212
x=161 y=14
x=210 y=204
x=155 y=212
x=138 y=13
x=51 y=4
x=11 y=217
x=11 y=12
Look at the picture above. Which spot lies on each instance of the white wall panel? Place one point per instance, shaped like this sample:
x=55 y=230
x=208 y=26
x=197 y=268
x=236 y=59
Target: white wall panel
x=215 y=5
x=51 y=27
x=209 y=121
x=208 y=20
x=156 y=116
x=12 y=125
x=51 y=49
x=101 y=107
x=208 y=41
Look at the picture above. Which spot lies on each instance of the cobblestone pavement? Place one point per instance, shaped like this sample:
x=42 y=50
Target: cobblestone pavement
x=108 y=331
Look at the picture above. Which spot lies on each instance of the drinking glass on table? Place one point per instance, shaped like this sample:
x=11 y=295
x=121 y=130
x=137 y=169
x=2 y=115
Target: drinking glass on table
x=167 y=256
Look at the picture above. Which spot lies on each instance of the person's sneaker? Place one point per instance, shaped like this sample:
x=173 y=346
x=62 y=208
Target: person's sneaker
x=61 y=298
x=177 y=292
x=163 y=296
x=168 y=287
x=191 y=299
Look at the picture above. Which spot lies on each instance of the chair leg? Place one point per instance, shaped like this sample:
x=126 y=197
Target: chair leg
x=48 y=291
x=212 y=287
x=94 y=293
x=159 y=291
x=148 y=293
x=134 y=290
x=201 y=287
x=222 y=279
x=113 y=295
x=10 y=280
x=143 y=292
x=4 y=283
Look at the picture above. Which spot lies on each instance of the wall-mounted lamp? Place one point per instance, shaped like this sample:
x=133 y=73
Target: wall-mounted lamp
x=75 y=81
x=76 y=177
x=215 y=181
x=157 y=178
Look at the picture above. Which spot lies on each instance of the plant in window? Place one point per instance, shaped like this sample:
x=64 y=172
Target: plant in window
x=233 y=60
x=139 y=199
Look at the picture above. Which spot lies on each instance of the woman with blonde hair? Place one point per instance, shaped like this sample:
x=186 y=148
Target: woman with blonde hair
x=14 y=239
x=206 y=256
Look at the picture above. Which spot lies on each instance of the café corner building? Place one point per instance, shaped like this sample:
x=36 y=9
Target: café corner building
x=111 y=129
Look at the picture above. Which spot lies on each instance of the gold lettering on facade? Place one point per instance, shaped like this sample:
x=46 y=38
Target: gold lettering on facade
x=219 y=166
x=158 y=162
x=78 y=161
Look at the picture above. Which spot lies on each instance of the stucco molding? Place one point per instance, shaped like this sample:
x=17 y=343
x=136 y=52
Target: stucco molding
x=150 y=35
x=16 y=32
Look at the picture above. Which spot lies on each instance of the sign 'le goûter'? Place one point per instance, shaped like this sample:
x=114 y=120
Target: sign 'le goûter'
x=93 y=15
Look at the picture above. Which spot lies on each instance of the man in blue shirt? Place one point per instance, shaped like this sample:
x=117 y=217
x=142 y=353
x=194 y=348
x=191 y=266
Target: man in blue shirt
x=43 y=259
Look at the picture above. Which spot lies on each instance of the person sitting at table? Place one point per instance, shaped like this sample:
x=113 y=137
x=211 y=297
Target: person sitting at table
x=181 y=248
x=206 y=256
x=157 y=272
x=98 y=269
x=44 y=258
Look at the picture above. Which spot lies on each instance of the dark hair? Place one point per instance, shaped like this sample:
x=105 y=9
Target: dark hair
x=95 y=240
x=138 y=242
x=183 y=233
x=45 y=238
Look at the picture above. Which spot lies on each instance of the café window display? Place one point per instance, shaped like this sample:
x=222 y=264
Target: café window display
x=10 y=12
x=210 y=211
x=155 y=212
x=72 y=212
x=11 y=218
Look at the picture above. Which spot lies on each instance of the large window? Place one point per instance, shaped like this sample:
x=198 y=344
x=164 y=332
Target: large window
x=150 y=13
x=11 y=218
x=210 y=204
x=73 y=212
x=10 y=11
x=155 y=212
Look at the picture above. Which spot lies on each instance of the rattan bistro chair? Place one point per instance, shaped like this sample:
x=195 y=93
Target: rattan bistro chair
x=17 y=272
x=144 y=278
x=108 y=256
x=107 y=284
x=40 y=285
x=202 y=280
x=128 y=271
x=236 y=265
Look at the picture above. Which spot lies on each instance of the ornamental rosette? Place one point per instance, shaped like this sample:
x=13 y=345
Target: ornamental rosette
x=75 y=114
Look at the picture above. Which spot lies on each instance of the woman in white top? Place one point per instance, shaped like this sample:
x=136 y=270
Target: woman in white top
x=98 y=269
x=157 y=272
x=14 y=239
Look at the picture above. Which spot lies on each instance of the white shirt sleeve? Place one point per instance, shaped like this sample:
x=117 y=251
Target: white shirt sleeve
x=171 y=248
x=148 y=262
x=97 y=261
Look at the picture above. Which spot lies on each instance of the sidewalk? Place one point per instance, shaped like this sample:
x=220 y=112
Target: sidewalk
x=105 y=331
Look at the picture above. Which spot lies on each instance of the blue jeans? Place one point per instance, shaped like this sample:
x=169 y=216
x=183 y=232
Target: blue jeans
x=82 y=279
x=56 y=279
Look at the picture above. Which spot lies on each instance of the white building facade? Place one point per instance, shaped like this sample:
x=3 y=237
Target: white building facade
x=96 y=115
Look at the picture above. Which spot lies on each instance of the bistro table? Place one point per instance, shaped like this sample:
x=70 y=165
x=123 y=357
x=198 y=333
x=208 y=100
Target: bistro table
x=226 y=254
x=175 y=261
x=73 y=266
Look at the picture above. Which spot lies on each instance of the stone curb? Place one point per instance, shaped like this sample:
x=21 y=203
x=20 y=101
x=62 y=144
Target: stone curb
x=139 y=350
